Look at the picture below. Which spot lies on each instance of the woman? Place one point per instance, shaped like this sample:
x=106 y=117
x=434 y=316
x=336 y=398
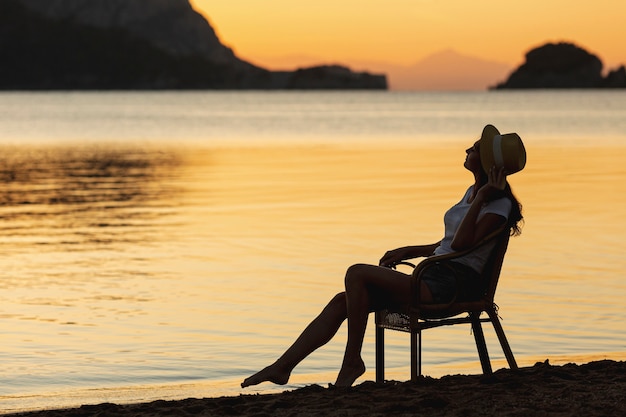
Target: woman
x=486 y=206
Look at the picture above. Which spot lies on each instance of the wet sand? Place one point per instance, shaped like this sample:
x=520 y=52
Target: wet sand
x=592 y=389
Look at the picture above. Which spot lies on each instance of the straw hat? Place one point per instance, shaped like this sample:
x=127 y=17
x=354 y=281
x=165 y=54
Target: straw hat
x=505 y=150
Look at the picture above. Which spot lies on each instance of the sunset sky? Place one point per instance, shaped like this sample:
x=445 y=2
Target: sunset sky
x=281 y=33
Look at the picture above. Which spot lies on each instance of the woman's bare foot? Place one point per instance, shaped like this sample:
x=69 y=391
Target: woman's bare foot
x=270 y=374
x=349 y=373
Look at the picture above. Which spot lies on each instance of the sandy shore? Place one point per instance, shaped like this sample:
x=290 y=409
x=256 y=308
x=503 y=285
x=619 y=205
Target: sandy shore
x=593 y=389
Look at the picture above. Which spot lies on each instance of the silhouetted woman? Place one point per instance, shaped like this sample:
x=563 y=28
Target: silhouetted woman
x=486 y=206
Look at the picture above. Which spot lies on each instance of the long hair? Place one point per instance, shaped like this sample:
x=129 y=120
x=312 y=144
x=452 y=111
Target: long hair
x=516 y=219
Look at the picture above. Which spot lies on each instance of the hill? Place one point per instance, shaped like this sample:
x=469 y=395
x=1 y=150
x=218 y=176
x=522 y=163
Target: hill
x=562 y=65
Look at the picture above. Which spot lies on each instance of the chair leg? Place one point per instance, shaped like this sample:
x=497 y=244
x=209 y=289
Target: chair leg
x=419 y=353
x=416 y=355
x=380 y=354
x=508 y=353
x=479 y=336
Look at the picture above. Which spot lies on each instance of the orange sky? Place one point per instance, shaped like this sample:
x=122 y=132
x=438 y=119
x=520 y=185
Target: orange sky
x=281 y=33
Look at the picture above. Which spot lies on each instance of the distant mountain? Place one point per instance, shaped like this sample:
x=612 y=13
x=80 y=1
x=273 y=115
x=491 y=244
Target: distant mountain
x=136 y=44
x=447 y=70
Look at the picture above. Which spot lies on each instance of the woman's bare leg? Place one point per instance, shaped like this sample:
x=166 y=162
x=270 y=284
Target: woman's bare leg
x=369 y=288
x=316 y=334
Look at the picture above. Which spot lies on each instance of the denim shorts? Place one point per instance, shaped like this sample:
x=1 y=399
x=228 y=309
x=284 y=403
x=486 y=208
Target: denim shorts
x=449 y=280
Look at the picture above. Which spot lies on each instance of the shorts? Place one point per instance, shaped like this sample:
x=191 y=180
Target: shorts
x=449 y=280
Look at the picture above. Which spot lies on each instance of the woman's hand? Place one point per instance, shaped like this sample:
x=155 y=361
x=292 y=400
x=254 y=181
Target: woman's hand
x=497 y=178
x=496 y=182
x=393 y=257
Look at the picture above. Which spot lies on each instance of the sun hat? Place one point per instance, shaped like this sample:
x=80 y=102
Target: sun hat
x=502 y=150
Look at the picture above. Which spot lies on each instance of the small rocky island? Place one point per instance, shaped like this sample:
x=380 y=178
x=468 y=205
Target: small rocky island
x=136 y=44
x=563 y=65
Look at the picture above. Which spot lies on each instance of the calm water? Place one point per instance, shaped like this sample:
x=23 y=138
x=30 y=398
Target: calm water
x=167 y=245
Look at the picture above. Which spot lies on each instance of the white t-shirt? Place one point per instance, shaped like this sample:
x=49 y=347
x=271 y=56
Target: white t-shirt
x=452 y=219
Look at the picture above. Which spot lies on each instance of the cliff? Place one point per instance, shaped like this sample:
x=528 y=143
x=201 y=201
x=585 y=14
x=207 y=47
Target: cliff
x=134 y=44
x=562 y=65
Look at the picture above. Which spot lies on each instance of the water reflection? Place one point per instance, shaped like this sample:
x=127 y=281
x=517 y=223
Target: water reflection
x=73 y=196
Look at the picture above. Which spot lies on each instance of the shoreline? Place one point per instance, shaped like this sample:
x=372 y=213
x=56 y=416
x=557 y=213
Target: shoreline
x=591 y=389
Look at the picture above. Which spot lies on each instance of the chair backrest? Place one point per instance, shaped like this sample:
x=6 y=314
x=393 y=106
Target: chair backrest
x=491 y=273
x=489 y=278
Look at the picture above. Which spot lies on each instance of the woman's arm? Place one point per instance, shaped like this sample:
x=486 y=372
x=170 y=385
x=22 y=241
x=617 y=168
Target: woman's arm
x=394 y=256
x=468 y=236
x=471 y=230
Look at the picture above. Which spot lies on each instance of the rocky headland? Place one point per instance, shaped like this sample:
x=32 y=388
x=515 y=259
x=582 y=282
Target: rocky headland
x=563 y=65
x=135 y=44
